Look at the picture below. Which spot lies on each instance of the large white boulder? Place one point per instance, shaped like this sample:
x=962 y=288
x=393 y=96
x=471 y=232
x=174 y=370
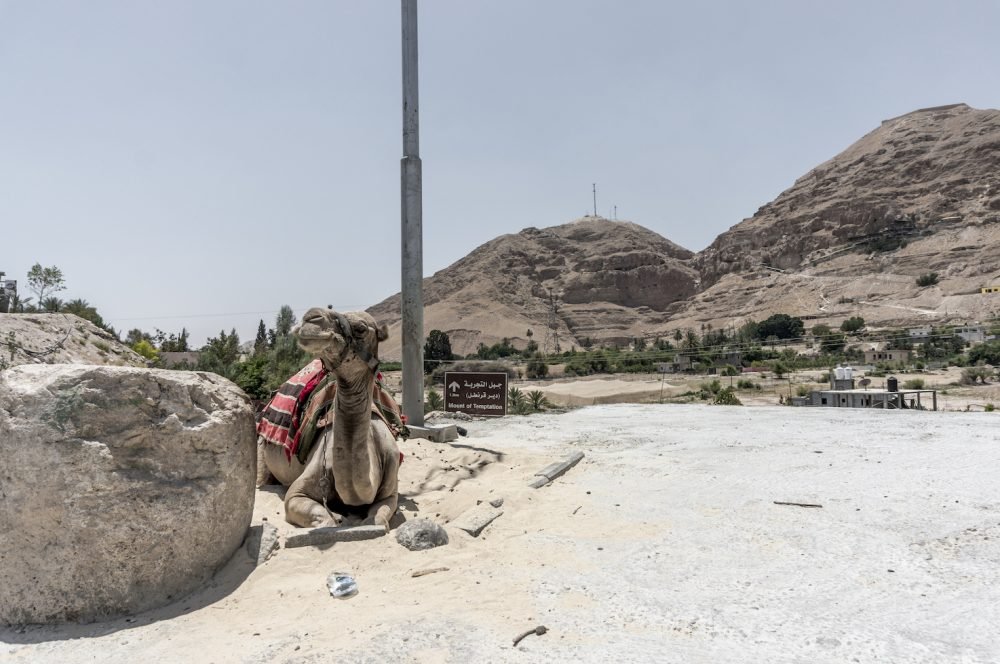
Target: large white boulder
x=121 y=489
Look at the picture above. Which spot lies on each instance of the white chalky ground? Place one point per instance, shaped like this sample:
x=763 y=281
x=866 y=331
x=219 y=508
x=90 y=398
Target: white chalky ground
x=664 y=544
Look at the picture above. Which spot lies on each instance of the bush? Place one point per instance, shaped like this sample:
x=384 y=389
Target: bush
x=928 y=279
x=913 y=384
x=537 y=369
x=747 y=384
x=727 y=397
x=712 y=388
x=972 y=375
x=989 y=408
x=434 y=401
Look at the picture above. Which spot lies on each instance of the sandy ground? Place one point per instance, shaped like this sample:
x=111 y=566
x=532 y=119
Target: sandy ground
x=665 y=544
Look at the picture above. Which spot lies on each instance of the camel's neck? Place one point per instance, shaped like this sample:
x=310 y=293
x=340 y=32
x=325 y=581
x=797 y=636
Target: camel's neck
x=356 y=463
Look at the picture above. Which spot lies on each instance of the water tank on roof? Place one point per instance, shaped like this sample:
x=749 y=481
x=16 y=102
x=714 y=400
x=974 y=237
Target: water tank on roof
x=848 y=373
x=838 y=373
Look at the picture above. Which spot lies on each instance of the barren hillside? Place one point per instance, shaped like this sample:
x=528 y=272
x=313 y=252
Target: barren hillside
x=608 y=278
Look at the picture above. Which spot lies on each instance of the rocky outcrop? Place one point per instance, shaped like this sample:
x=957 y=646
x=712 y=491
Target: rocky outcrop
x=121 y=489
x=60 y=339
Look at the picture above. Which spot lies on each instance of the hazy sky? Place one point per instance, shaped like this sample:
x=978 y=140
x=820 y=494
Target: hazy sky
x=201 y=163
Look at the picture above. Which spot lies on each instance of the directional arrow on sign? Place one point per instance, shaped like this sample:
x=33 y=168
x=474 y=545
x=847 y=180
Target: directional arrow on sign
x=453 y=386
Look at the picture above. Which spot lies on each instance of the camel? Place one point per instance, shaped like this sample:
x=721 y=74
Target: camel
x=354 y=463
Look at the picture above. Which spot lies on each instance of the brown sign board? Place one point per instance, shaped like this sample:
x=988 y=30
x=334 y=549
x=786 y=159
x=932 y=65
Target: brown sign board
x=476 y=393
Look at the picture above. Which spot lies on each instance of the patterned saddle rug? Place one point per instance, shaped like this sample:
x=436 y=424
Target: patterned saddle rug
x=303 y=406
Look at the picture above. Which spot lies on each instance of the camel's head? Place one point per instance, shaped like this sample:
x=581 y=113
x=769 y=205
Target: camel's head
x=336 y=338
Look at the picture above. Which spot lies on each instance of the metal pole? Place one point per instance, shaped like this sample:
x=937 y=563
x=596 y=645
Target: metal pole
x=412 y=260
x=595 y=199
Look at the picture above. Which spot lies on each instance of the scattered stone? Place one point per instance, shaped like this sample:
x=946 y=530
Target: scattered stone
x=496 y=502
x=421 y=534
x=262 y=542
x=329 y=535
x=128 y=488
x=474 y=520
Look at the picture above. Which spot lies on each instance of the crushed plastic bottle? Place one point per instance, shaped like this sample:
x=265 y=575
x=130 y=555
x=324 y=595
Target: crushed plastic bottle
x=342 y=585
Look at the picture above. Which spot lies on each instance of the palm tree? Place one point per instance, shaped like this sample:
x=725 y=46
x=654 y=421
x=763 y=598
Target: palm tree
x=52 y=304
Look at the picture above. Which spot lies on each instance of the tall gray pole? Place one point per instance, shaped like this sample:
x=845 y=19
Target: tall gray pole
x=412 y=228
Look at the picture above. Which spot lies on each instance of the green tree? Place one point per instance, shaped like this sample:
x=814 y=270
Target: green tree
x=45 y=281
x=82 y=308
x=852 y=324
x=221 y=354
x=51 y=304
x=260 y=343
x=135 y=335
x=284 y=322
x=987 y=353
x=175 y=343
x=437 y=349
x=781 y=326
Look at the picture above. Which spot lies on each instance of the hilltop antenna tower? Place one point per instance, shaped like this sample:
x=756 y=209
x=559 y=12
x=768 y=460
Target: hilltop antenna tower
x=551 y=328
x=595 y=199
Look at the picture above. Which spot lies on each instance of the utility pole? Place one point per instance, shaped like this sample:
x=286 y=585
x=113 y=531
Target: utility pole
x=412 y=254
x=595 y=199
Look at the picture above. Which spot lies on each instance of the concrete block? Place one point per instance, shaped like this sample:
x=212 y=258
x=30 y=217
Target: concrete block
x=554 y=470
x=474 y=520
x=321 y=536
x=437 y=433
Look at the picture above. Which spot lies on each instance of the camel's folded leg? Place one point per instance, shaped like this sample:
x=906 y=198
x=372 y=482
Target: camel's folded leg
x=302 y=510
x=382 y=510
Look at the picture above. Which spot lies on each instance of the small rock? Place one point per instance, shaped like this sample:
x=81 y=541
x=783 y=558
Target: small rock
x=421 y=534
x=496 y=502
x=474 y=520
x=262 y=542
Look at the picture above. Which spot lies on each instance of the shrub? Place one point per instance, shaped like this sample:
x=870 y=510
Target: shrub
x=727 y=397
x=747 y=384
x=927 y=279
x=537 y=369
x=517 y=402
x=712 y=388
x=537 y=400
x=434 y=401
x=913 y=384
x=989 y=408
x=972 y=375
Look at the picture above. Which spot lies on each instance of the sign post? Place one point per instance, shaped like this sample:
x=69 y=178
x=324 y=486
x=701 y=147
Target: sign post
x=476 y=393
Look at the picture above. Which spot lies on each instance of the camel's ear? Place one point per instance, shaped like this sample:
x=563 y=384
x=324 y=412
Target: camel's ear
x=382 y=331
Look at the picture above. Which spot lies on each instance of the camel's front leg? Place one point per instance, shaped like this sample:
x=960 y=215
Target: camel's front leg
x=385 y=506
x=301 y=510
x=382 y=510
x=305 y=500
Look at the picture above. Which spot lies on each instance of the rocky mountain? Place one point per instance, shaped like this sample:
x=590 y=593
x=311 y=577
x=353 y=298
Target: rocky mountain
x=916 y=175
x=919 y=194
x=589 y=278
